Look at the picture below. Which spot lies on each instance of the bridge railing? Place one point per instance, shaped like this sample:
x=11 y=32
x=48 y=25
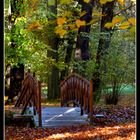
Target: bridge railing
x=76 y=89
x=30 y=95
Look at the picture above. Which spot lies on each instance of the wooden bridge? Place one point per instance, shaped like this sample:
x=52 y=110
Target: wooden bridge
x=75 y=90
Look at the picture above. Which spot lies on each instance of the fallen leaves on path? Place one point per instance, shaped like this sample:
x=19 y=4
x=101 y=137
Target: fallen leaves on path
x=83 y=132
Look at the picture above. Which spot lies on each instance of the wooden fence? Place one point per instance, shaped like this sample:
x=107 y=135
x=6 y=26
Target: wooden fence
x=30 y=95
x=76 y=89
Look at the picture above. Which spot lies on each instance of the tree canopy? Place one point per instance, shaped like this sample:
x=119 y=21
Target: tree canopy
x=37 y=25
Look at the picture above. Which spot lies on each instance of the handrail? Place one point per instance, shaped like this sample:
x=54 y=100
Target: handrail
x=30 y=95
x=77 y=89
x=71 y=75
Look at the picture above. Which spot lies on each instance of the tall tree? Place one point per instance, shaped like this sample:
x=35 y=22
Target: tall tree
x=53 y=80
x=82 y=41
x=69 y=50
x=70 y=40
x=107 y=11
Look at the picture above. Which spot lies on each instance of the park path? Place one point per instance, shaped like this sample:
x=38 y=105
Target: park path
x=61 y=116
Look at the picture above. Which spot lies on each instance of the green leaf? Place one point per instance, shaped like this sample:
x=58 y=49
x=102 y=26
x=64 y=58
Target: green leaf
x=109 y=25
x=51 y=2
x=133 y=29
x=86 y=1
x=65 y=1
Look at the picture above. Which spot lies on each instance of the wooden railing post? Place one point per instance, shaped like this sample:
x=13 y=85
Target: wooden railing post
x=39 y=104
x=34 y=110
x=91 y=101
x=31 y=95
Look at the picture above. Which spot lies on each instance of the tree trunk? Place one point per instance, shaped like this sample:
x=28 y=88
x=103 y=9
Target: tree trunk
x=53 y=79
x=82 y=41
x=69 y=50
x=104 y=43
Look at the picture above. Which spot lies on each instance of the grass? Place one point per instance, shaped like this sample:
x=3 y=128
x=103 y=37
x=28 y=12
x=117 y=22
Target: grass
x=127 y=99
x=126 y=89
x=46 y=102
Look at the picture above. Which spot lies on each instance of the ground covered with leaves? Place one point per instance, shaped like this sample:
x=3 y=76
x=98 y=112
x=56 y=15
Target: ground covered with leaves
x=119 y=124
x=84 y=132
x=116 y=114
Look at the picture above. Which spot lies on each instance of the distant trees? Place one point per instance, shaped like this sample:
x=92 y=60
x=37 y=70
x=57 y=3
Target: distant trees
x=120 y=66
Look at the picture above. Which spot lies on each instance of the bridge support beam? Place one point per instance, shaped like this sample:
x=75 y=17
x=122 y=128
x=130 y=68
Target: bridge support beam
x=91 y=101
x=82 y=111
x=39 y=105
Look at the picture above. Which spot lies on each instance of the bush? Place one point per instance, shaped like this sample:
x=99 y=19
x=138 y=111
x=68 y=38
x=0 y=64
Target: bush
x=111 y=99
x=9 y=117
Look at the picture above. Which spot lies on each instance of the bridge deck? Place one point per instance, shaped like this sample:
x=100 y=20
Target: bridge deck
x=61 y=116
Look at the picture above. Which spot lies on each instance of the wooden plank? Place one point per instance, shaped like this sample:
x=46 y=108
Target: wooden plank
x=30 y=96
x=25 y=116
x=23 y=93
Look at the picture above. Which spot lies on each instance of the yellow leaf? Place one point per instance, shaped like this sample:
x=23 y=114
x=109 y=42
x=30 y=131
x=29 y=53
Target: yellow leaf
x=5 y=98
x=60 y=31
x=124 y=25
x=20 y=19
x=93 y=21
x=121 y=2
x=64 y=1
x=97 y=14
x=67 y=14
x=134 y=1
x=35 y=25
x=117 y=19
x=109 y=25
x=132 y=29
x=80 y=23
x=110 y=0
x=72 y=26
x=103 y=1
x=86 y=1
x=132 y=21
x=61 y=21
x=83 y=13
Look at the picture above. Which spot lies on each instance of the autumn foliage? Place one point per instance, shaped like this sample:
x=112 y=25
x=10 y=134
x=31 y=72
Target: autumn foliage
x=84 y=132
